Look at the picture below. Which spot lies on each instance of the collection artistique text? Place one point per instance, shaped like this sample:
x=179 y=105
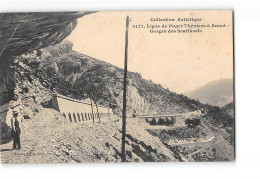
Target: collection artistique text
x=178 y=19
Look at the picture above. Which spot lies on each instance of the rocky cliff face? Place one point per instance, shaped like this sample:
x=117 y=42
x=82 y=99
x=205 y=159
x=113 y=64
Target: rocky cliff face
x=24 y=32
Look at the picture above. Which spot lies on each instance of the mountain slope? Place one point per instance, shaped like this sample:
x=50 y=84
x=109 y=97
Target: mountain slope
x=229 y=109
x=216 y=93
x=70 y=73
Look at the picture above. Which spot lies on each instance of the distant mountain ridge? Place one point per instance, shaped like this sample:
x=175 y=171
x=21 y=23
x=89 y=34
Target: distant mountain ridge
x=216 y=93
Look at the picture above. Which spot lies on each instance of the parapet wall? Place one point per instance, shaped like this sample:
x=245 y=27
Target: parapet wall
x=78 y=111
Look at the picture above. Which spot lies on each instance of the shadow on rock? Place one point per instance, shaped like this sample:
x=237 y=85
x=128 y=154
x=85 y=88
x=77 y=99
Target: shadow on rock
x=5 y=133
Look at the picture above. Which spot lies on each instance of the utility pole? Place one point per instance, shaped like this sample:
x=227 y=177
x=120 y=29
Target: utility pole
x=124 y=93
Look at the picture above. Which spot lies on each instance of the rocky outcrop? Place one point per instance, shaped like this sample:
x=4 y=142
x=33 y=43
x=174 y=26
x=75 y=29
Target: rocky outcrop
x=24 y=32
x=7 y=81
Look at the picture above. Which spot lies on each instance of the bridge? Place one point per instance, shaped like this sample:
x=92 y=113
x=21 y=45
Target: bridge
x=183 y=115
x=178 y=118
x=162 y=116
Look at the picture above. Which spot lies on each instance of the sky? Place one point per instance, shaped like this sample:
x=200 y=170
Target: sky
x=181 y=62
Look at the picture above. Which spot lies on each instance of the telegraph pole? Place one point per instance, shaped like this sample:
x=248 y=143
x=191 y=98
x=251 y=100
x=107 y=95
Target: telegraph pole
x=124 y=93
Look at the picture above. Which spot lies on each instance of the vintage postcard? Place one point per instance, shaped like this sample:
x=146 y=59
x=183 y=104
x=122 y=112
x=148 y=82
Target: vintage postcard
x=117 y=86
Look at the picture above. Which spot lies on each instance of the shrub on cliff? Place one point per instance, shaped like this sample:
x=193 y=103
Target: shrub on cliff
x=147 y=120
x=172 y=121
x=161 y=122
x=153 y=122
x=167 y=121
x=192 y=122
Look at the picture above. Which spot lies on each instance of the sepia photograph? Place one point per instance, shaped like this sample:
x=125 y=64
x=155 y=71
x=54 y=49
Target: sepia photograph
x=117 y=86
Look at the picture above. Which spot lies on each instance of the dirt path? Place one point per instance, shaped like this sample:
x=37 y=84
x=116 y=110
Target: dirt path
x=200 y=143
x=36 y=141
x=49 y=138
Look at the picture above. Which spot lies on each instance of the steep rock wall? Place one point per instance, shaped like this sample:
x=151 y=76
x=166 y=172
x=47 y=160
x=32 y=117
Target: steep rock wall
x=24 y=32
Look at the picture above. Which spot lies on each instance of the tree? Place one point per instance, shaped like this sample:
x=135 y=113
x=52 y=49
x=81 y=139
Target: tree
x=153 y=122
x=196 y=122
x=167 y=121
x=161 y=122
x=188 y=122
x=192 y=122
x=172 y=121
